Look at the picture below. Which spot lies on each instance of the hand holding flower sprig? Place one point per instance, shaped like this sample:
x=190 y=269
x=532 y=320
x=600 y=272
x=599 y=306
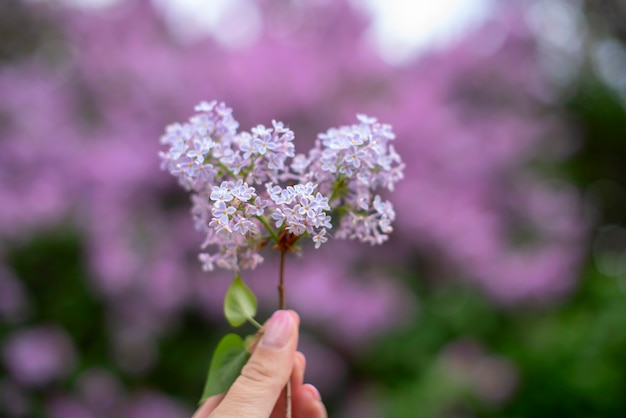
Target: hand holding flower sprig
x=250 y=191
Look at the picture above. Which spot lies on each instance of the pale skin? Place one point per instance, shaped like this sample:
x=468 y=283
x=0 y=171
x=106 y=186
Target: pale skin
x=259 y=392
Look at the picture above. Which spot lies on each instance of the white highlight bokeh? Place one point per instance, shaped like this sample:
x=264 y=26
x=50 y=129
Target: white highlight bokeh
x=400 y=29
x=234 y=23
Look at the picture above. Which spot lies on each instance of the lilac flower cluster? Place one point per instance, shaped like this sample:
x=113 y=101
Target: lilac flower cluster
x=342 y=172
x=301 y=212
x=350 y=163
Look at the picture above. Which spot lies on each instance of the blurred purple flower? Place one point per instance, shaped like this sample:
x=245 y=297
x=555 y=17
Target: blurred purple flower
x=493 y=379
x=100 y=391
x=151 y=404
x=330 y=371
x=37 y=356
x=67 y=407
x=356 y=307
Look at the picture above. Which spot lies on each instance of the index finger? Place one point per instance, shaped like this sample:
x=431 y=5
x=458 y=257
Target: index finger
x=208 y=406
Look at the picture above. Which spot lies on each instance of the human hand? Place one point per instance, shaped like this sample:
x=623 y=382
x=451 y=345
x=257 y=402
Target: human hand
x=259 y=391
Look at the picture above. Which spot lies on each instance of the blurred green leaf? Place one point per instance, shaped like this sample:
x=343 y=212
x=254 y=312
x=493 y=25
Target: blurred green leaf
x=228 y=359
x=240 y=303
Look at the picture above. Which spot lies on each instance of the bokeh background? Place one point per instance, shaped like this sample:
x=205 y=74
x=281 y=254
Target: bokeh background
x=502 y=292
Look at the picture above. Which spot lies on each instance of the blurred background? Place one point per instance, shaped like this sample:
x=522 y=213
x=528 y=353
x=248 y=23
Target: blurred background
x=502 y=292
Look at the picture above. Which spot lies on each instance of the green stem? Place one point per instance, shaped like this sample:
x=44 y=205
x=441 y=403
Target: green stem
x=269 y=228
x=223 y=167
x=281 y=281
x=248 y=169
x=255 y=323
x=281 y=303
x=218 y=163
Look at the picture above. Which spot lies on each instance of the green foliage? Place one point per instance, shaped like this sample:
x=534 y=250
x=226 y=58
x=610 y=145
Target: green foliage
x=52 y=270
x=228 y=359
x=569 y=358
x=240 y=304
x=600 y=121
x=231 y=354
x=183 y=358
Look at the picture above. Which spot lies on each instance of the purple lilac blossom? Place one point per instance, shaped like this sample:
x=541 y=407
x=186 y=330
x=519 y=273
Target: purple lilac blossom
x=100 y=391
x=68 y=407
x=38 y=356
x=152 y=404
x=223 y=169
x=476 y=180
x=378 y=299
x=349 y=163
x=491 y=378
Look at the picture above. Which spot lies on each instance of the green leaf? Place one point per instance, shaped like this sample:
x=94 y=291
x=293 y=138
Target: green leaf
x=228 y=359
x=240 y=303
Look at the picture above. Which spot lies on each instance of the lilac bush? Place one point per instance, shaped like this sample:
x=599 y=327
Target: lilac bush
x=79 y=117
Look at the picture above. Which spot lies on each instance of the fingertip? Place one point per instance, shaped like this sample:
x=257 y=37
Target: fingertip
x=312 y=391
x=299 y=365
x=300 y=361
x=307 y=402
x=279 y=330
x=295 y=316
x=208 y=406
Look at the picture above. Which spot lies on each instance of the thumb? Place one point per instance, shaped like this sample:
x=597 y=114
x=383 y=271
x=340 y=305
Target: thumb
x=262 y=379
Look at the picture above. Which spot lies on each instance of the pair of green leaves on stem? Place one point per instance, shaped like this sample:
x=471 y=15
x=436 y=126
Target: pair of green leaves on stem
x=232 y=352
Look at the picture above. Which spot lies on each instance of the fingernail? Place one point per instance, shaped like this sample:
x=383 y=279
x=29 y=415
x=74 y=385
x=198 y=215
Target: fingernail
x=277 y=330
x=313 y=390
